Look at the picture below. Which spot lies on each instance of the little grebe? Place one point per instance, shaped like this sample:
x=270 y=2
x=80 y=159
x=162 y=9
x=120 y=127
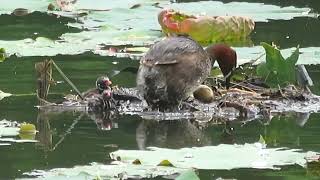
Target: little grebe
x=173 y=68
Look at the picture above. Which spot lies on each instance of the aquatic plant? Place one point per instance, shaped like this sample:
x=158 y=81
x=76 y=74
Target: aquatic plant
x=278 y=71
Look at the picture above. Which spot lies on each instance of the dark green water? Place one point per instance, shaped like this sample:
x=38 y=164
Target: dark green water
x=69 y=139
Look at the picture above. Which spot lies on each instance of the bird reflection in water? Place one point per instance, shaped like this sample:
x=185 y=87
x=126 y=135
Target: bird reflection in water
x=170 y=134
x=104 y=120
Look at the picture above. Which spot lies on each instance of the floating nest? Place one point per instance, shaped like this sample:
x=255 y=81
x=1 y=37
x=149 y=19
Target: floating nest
x=245 y=100
x=226 y=104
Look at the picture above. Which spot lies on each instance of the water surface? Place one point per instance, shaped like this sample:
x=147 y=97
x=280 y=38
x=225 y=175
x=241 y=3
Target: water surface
x=72 y=138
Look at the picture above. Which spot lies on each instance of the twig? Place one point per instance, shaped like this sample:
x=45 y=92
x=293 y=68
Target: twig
x=238 y=84
x=43 y=101
x=67 y=79
x=44 y=79
x=251 y=62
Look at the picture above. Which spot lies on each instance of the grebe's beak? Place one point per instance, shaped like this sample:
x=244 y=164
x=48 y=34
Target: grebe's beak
x=108 y=82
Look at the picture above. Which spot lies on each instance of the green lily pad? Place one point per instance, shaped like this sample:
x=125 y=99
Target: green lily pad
x=116 y=24
x=277 y=70
x=17 y=140
x=9 y=129
x=100 y=171
x=221 y=157
x=258 y=11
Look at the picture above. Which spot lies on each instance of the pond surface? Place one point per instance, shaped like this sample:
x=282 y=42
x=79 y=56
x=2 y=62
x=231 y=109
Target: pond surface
x=72 y=138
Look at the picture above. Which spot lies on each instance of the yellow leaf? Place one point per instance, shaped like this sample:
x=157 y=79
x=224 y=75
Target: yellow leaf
x=136 y=162
x=27 y=128
x=165 y=163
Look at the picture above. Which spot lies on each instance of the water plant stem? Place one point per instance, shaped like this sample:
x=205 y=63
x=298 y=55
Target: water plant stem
x=67 y=79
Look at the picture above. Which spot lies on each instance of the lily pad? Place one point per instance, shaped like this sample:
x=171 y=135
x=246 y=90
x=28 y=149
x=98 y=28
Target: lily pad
x=115 y=23
x=17 y=140
x=260 y=12
x=218 y=157
x=100 y=171
x=9 y=129
x=5 y=144
x=188 y=175
x=206 y=29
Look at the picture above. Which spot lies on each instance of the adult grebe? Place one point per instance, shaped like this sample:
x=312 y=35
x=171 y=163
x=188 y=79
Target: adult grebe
x=174 y=67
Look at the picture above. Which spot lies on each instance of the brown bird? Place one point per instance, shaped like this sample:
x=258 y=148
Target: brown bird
x=226 y=58
x=173 y=68
x=102 y=83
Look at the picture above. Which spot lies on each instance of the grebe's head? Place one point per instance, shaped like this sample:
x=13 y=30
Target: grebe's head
x=226 y=58
x=103 y=83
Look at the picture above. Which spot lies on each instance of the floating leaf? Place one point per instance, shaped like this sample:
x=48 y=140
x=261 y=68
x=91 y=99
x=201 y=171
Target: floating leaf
x=27 y=136
x=9 y=131
x=206 y=29
x=223 y=156
x=258 y=11
x=5 y=144
x=277 y=70
x=124 y=25
x=8 y=128
x=188 y=175
x=27 y=128
x=17 y=140
x=117 y=171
